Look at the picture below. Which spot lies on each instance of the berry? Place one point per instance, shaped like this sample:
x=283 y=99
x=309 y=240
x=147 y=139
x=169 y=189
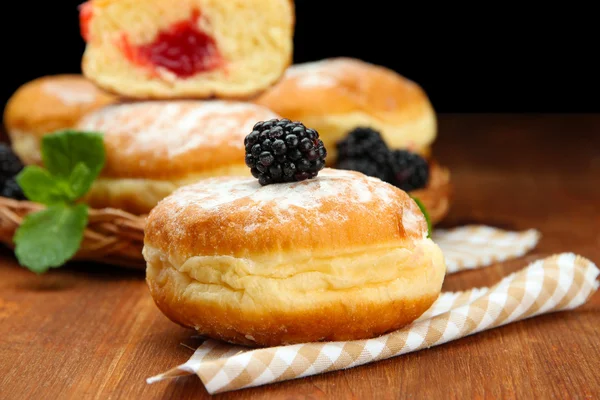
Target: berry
x=364 y=150
x=280 y=150
x=364 y=143
x=291 y=141
x=364 y=166
x=410 y=171
x=276 y=171
x=10 y=164
x=303 y=165
x=294 y=154
x=266 y=158
x=305 y=145
x=279 y=147
x=264 y=180
x=11 y=189
x=289 y=169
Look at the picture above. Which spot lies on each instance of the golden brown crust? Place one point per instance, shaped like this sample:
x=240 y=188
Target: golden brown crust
x=337 y=94
x=53 y=102
x=437 y=195
x=332 y=322
x=173 y=139
x=213 y=216
x=343 y=85
x=340 y=257
x=48 y=104
x=310 y=305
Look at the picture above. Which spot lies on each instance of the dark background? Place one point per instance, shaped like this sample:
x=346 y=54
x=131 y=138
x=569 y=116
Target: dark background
x=492 y=59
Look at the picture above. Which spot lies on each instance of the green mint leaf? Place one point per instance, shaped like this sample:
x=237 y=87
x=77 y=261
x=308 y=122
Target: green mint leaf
x=41 y=187
x=425 y=213
x=50 y=237
x=63 y=150
x=80 y=181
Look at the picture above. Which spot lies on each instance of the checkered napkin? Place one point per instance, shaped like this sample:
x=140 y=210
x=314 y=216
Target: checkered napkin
x=476 y=246
x=560 y=282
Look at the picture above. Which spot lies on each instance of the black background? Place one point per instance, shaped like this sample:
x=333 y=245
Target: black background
x=492 y=58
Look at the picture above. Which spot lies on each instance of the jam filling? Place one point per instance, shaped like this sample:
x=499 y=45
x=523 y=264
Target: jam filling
x=85 y=16
x=183 y=49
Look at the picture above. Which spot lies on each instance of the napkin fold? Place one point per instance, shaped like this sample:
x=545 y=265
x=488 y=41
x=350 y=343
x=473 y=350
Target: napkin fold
x=560 y=282
x=476 y=246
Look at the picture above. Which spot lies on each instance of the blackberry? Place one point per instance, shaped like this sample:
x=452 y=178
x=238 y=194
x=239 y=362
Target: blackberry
x=363 y=142
x=365 y=166
x=280 y=150
x=364 y=150
x=410 y=171
x=10 y=164
x=11 y=189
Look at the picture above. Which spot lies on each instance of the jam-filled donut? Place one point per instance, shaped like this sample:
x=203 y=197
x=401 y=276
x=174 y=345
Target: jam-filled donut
x=341 y=256
x=187 y=48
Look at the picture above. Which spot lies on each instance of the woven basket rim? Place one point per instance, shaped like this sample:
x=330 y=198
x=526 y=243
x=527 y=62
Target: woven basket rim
x=112 y=236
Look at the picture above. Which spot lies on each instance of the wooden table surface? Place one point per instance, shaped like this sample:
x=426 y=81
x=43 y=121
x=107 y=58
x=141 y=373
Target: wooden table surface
x=89 y=331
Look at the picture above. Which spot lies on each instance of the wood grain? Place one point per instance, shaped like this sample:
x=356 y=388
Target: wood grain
x=89 y=331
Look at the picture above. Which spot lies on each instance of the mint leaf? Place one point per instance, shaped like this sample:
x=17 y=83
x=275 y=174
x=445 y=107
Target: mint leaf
x=63 y=150
x=425 y=213
x=49 y=238
x=80 y=181
x=41 y=187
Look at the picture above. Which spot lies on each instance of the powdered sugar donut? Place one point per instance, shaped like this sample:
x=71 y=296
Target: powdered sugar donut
x=336 y=95
x=154 y=147
x=342 y=256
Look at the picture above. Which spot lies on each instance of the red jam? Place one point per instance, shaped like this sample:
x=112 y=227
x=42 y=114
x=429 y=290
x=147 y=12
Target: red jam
x=85 y=16
x=182 y=49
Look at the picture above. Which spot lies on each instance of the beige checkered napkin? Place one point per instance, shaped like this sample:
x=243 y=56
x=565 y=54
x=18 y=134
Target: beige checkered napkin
x=476 y=246
x=560 y=282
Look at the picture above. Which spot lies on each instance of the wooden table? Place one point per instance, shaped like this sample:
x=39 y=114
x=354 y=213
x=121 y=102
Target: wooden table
x=88 y=331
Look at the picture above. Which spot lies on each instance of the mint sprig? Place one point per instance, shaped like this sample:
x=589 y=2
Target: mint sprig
x=425 y=213
x=50 y=237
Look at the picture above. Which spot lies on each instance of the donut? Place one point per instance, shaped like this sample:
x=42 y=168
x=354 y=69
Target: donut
x=200 y=49
x=335 y=95
x=48 y=104
x=342 y=256
x=153 y=147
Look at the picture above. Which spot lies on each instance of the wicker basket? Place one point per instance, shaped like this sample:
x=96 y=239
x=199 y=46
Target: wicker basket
x=112 y=236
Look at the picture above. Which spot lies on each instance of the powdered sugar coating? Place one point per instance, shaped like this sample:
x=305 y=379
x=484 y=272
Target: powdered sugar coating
x=337 y=211
x=176 y=127
x=334 y=72
x=411 y=220
x=312 y=74
x=289 y=201
x=71 y=93
x=211 y=194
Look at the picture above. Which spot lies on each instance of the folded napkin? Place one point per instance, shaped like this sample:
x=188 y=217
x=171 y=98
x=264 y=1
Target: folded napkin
x=560 y=282
x=476 y=246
